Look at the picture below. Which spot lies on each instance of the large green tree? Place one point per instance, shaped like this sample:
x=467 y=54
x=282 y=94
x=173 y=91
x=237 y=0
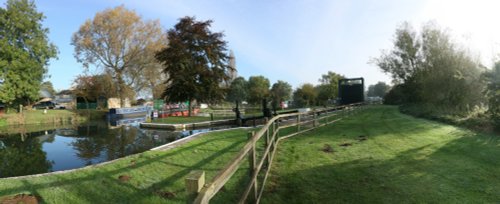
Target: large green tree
x=25 y=52
x=280 y=92
x=305 y=96
x=329 y=87
x=431 y=69
x=238 y=90
x=120 y=43
x=196 y=62
x=258 y=89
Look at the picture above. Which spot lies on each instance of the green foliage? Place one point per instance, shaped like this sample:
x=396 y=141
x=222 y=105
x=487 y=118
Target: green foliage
x=95 y=86
x=379 y=89
x=396 y=96
x=493 y=93
x=47 y=86
x=195 y=61
x=258 y=89
x=25 y=52
x=329 y=87
x=238 y=90
x=304 y=96
x=280 y=91
x=431 y=69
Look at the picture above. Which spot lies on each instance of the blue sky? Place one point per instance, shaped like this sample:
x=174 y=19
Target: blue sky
x=290 y=40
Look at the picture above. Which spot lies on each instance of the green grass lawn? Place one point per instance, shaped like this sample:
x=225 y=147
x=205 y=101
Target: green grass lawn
x=153 y=175
x=52 y=116
x=403 y=160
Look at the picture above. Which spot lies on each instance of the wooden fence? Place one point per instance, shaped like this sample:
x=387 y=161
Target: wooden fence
x=260 y=162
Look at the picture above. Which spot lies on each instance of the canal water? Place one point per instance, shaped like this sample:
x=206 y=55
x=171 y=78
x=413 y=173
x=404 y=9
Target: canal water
x=31 y=150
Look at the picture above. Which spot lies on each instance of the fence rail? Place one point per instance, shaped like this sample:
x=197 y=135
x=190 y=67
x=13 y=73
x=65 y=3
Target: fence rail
x=270 y=132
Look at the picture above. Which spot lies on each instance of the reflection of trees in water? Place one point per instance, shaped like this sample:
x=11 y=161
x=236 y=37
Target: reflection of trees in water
x=126 y=140
x=95 y=140
x=23 y=157
x=23 y=153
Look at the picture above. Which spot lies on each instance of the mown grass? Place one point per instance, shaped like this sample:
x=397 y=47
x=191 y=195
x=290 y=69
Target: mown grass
x=155 y=176
x=403 y=160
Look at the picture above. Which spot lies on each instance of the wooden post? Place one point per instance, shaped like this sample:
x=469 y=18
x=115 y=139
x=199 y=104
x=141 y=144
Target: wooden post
x=314 y=118
x=251 y=154
x=267 y=137
x=252 y=163
x=298 y=123
x=194 y=182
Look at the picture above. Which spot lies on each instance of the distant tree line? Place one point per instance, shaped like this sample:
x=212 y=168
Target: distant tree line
x=258 y=88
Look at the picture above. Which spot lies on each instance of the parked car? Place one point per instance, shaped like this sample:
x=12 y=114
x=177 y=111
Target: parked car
x=59 y=106
x=44 y=105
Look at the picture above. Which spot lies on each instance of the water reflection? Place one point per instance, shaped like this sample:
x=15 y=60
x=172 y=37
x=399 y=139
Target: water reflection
x=39 y=150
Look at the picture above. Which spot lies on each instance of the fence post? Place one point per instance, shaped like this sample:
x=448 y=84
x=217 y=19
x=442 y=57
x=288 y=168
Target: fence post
x=194 y=182
x=298 y=123
x=314 y=118
x=252 y=164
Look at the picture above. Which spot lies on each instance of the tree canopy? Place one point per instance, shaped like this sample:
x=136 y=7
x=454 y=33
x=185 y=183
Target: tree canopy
x=238 y=90
x=431 y=69
x=258 y=89
x=196 y=62
x=379 y=89
x=329 y=87
x=120 y=43
x=25 y=52
x=305 y=95
x=493 y=93
x=280 y=91
x=47 y=86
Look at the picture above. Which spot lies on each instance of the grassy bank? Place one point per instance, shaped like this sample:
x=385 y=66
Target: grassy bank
x=383 y=156
x=478 y=120
x=51 y=116
x=150 y=177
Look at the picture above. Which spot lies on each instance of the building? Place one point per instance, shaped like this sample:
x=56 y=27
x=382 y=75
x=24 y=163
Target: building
x=233 y=73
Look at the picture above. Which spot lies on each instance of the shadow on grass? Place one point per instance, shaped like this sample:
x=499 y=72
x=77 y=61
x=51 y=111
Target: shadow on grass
x=98 y=185
x=464 y=170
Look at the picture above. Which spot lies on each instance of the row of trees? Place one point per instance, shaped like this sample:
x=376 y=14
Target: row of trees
x=258 y=88
x=188 y=62
x=428 y=68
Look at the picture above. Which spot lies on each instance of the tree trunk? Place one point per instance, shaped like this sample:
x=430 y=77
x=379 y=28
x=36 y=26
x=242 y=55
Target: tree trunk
x=189 y=108
x=121 y=87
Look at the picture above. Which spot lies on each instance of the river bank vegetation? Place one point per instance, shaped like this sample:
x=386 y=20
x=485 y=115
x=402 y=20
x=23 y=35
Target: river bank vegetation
x=437 y=78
